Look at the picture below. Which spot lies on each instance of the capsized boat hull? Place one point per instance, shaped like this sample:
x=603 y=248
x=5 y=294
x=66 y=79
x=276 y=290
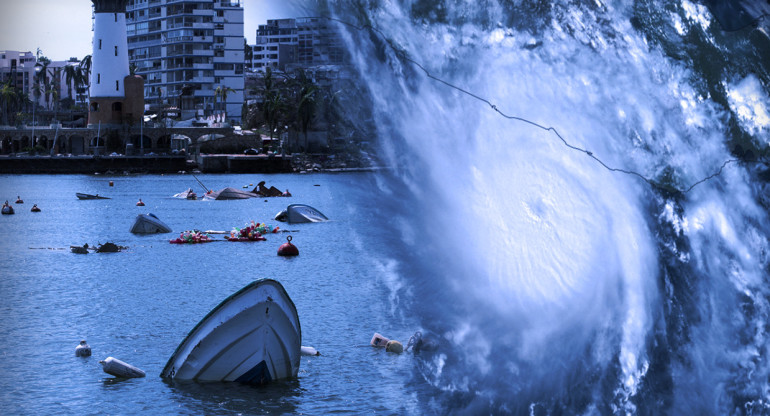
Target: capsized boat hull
x=88 y=196
x=253 y=337
x=300 y=213
x=149 y=224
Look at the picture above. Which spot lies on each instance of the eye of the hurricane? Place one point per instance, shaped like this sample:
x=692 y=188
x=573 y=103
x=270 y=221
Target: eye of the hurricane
x=550 y=236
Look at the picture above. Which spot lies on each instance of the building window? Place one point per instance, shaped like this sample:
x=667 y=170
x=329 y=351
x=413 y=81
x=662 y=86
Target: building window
x=94 y=107
x=117 y=106
x=117 y=85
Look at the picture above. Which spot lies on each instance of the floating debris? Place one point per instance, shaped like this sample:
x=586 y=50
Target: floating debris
x=118 y=368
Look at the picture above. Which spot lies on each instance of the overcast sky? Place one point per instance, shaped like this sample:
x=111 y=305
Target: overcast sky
x=62 y=28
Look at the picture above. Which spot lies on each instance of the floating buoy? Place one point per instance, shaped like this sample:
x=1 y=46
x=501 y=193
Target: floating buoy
x=394 y=346
x=140 y=203
x=35 y=208
x=118 y=368
x=18 y=200
x=83 y=349
x=287 y=193
x=310 y=351
x=288 y=249
x=111 y=184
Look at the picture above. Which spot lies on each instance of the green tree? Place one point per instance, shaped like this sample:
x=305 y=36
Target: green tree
x=306 y=102
x=85 y=72
x=8 y=96
x=72 y=76
x=222 y=91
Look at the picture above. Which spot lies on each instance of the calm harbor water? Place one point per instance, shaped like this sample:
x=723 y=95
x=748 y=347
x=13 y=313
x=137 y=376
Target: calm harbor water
x=139 y=304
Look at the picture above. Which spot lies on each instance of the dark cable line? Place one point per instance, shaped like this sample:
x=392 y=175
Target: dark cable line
x=403 y=55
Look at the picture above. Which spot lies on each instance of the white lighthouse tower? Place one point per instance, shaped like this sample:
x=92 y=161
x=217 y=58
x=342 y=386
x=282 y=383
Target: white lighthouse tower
x=115 y=97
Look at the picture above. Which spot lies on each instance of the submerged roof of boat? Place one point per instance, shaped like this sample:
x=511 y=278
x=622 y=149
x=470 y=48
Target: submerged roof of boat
x=149 y=224
x=253 y=336
x=89 y=196
x=229 y=193
x=299 y=213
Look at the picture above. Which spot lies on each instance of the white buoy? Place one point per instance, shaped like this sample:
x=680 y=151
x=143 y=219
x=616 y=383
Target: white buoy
x=309 y=351
x=83 y=349
x=118 y=368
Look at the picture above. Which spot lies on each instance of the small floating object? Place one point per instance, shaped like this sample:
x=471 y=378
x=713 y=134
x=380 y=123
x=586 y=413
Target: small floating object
x=288 y=249
x=309 y=351
x=109 y=248
x=140 y=203
x=149 y=224
x=80 y=249
x=18 y=200
x=7 y=209
x=83 y=349
x=35 y=208
x=379 y=340
x=300 y=213
x=287 y=193
x=118 y=368
x=252 y=337
x=112 y=184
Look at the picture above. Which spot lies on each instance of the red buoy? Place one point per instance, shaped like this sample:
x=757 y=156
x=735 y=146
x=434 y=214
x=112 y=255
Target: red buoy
x=288 y=249
x=140 y=203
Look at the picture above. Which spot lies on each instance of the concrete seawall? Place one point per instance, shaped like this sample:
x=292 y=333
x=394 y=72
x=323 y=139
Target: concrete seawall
x=91 y=164
x=149 y=164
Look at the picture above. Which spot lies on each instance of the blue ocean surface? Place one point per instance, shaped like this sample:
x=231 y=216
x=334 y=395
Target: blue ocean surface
x=139 y=304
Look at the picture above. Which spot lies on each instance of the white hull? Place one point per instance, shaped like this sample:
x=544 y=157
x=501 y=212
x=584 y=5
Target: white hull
x=299 y=213
x=254 y=337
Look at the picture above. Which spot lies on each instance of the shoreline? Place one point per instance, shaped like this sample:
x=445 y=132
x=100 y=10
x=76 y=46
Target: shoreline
x=166 y=164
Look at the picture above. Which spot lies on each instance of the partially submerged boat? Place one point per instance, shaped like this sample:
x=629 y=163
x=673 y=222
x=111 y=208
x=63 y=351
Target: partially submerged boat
x=299 y=213
x=188 y=194
x=89 y=196
x=149 y=224
x=253 y=336
x=228 y=193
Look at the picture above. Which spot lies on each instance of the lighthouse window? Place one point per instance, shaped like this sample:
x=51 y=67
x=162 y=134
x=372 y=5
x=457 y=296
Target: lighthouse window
x=116 y=51
x=116 y=17
x=117 y=85
x=100 y=43
x=98 y=78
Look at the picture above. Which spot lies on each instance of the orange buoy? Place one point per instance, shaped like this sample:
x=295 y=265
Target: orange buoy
x=112 y=184
x=18 y=200
x=288 y=249
x=140 y=203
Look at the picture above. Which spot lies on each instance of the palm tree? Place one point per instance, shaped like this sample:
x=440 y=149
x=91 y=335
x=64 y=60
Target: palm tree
x=85 y=72
x=222 y=91
x=7 y=97
x=306 y=103
x=72 y=75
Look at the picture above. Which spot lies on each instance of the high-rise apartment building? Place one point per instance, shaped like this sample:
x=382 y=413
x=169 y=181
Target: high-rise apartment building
x=303 y=42
x=187 y=50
